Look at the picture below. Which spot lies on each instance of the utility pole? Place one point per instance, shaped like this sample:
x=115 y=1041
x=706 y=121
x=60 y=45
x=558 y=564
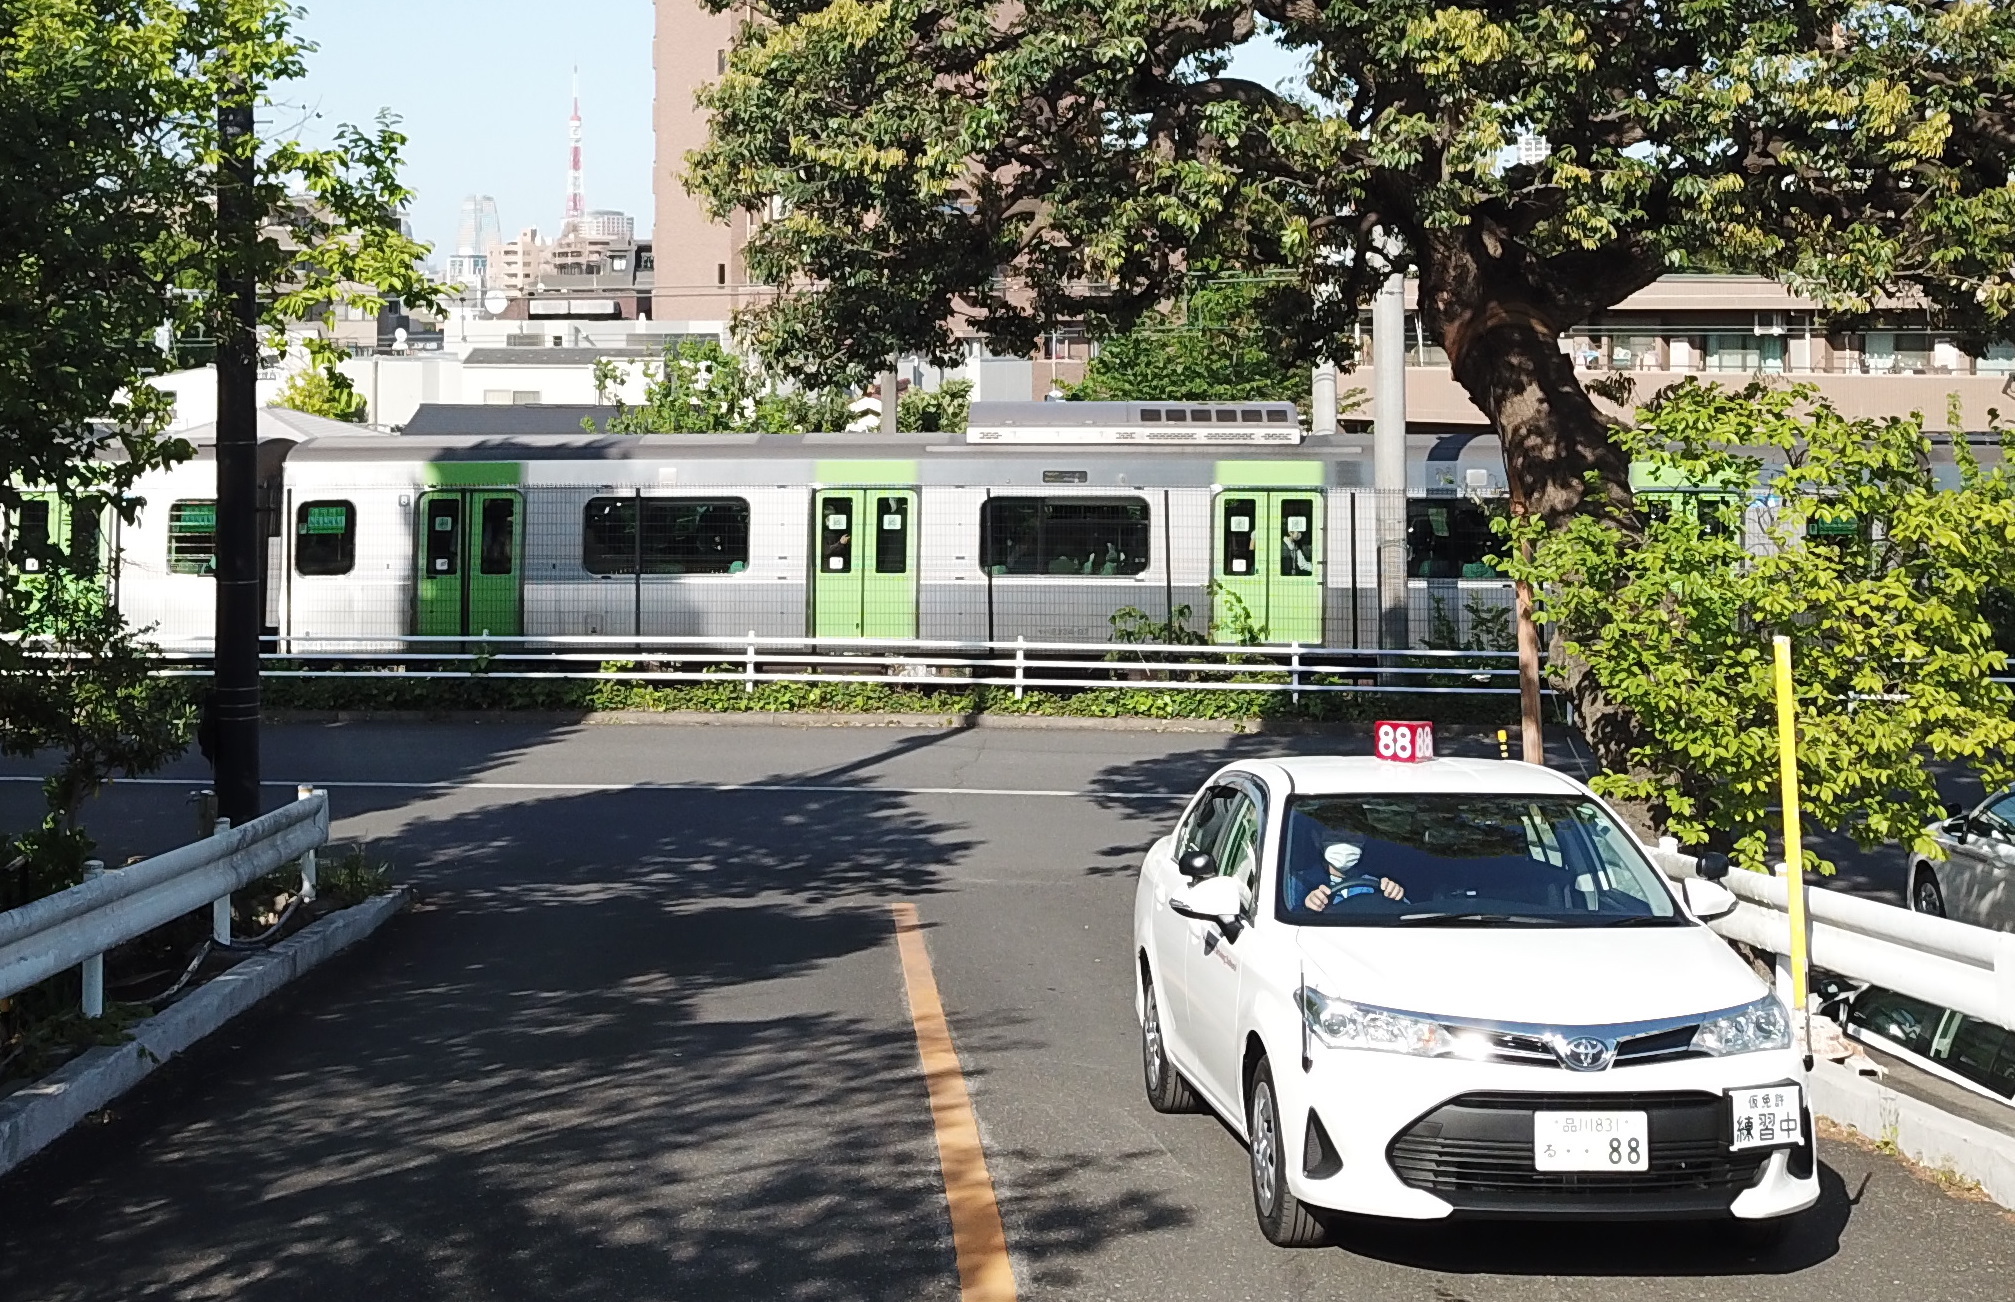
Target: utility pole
x=1388 y=459
x=234 y=701
x=1322 y=399
x=889 y=384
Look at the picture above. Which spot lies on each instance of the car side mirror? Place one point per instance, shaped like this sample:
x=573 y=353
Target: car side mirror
x=1953 y=809
x=1197 y=865
x=1708 y=899
x=1215 y=899
x=1712 y=866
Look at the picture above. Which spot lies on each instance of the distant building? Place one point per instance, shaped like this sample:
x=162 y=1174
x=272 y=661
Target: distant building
x=479 y=231
x=1533 y=149
x=700 y=274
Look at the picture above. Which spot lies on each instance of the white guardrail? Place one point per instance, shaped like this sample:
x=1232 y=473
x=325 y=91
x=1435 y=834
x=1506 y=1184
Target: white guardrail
x=74 y=928
x=1953 y=965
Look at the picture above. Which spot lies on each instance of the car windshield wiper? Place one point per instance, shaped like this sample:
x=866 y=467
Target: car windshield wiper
x=1468 y=919
x=1638 y=920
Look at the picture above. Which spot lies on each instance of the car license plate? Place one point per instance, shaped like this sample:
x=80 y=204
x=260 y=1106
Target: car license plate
x=1766 y=1118
x=1590 y=1141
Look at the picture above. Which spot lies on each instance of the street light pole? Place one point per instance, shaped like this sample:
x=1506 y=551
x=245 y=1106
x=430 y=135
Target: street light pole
x=234 y=701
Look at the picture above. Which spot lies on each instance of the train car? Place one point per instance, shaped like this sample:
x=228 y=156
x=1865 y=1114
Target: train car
x=1218 y=527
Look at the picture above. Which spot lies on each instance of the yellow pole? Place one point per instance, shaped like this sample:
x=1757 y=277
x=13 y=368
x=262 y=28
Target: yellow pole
x=1794 y=850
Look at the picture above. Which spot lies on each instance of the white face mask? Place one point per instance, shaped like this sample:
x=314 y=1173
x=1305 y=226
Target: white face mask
x=1342 y=856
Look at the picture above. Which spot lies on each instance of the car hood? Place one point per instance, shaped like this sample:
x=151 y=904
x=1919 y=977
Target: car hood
x=1557 y=976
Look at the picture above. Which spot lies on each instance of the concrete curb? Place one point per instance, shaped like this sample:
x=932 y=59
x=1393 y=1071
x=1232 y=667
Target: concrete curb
x=1920 y=1131
x=36 y=1116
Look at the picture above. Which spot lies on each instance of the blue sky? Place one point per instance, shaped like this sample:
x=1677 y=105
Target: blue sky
x=482 y=86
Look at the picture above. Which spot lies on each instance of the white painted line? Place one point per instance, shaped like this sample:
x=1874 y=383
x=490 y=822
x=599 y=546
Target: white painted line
x=704 y=787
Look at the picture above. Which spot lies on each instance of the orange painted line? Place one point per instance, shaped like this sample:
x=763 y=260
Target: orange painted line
x=978 y=1237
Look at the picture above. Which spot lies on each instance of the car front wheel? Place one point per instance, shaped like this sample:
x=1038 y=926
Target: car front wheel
x=1925 y=896
x=1284 y=1219
x=1167 y=1091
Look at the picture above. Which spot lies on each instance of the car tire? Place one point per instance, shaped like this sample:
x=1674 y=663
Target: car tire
x=1167 y=1091
x=1285 y=1220
x=1925 y=894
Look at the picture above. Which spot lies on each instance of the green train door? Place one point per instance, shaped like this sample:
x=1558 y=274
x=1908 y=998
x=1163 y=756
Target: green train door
x=866 y=553
x=471 y=563
x=81 y=531
x=1267 y=558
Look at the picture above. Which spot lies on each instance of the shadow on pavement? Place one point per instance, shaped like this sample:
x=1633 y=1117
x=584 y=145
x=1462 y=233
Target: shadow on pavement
x=1702 y=1248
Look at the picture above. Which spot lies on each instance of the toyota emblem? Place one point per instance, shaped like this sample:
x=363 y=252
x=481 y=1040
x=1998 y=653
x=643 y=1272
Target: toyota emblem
x=1584 y=1053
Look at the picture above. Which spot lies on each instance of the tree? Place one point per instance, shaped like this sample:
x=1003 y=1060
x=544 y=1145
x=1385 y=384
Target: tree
x=1880 y=578
x=1212 y=346
x=1065 y=159
x=703 y=388
x=322 y=391
x=944 y=408
x=109 y=117
x=1005 y=168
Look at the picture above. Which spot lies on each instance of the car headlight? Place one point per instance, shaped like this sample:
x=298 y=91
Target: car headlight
x=1344 y=1025
x=1765 y=1024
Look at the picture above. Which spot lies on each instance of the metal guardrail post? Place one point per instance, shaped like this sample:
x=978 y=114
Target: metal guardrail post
x=306 y=792
x=93 y=968
x=220 y=908
x=749 y=675
x=1020 y=659
x=1295 y=662
x=2004 y=975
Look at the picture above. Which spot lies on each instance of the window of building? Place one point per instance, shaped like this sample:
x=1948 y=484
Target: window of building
x=32 y=525
x=1997 y=359
x=1097 y=537
x=1448 y=538
x=681 y=535
x=1746 y=353
x=325 y=538
x=192 y=538
x=1896 y=352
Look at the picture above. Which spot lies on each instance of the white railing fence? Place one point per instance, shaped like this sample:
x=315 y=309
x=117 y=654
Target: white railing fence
x=74 y=928
x=1968 y=969
x=1019 y=665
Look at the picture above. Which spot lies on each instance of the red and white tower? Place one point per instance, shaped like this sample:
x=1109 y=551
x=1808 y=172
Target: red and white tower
x=577 y=198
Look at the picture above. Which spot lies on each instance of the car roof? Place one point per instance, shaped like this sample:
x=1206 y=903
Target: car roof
x=1363 y=774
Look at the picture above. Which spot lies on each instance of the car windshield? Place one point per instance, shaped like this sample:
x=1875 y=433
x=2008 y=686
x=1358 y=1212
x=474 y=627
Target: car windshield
x=1451 y=860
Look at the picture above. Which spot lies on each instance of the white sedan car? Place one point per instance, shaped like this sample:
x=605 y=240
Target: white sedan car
x=1459 y=987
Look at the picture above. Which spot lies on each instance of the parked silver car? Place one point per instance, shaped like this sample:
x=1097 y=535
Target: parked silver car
x=1976 y=881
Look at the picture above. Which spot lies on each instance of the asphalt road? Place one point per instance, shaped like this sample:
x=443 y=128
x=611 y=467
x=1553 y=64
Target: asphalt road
x=646 y=1038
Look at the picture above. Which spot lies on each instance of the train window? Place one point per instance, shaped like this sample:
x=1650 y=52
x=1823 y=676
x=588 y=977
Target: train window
x=696 y=535
x=1241 y=515
x=681 y=535
x=33 y=523
x=1178 y=414
x=444 y=537
x=1448 y=538
x=499 y=537
x=1227 y=417
x=1276 y=416
x=1251 y=415
x=84 y=537
x=892 y=535
x=1095 y=537
x=192 y=538
x=1200 y=413
x=836 y=535
x=1297 y=536
x=325 y=538
x=1150 y=415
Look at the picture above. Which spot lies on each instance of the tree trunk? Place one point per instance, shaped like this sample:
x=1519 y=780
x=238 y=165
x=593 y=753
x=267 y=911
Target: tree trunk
x=1500 y=320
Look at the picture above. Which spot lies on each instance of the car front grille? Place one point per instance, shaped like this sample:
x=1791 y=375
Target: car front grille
x=1631 y=1051
x=1476 y=1153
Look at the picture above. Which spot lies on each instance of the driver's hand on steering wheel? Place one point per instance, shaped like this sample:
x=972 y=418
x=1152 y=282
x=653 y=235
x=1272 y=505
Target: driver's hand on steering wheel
x=1319 y=898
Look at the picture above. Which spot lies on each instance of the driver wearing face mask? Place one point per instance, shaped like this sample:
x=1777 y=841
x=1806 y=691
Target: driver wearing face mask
x=1342 y=880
